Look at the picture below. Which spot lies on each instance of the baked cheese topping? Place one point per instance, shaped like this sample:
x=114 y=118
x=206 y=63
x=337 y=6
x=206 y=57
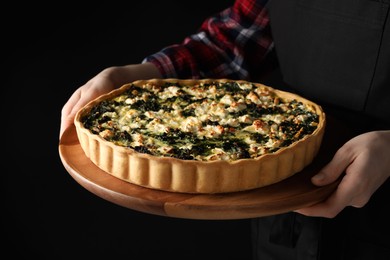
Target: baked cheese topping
x=206 y=122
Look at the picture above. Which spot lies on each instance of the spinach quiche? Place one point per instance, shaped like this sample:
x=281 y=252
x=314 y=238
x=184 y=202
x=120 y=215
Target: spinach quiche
x=200 y=136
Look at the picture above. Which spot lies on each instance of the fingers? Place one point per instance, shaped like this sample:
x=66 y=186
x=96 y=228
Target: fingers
x=364 y=159
x=69 y=111
x=351 y=191
x=324 y=209
x=335 y=168
x=340 y=198
x=345 y=191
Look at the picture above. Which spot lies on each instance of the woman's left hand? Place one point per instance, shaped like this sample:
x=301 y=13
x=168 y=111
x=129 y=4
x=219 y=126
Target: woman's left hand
x=365 y=160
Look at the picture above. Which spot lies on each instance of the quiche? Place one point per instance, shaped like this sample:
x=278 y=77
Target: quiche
x=200 y=136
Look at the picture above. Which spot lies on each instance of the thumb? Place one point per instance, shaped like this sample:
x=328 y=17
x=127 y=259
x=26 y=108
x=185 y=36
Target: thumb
x=333 y=170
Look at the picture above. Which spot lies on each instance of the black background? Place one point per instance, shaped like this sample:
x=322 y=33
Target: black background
x=48 y=52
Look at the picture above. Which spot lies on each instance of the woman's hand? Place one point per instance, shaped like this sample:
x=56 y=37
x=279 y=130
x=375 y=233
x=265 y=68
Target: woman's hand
x=104 y=82
x=365 y=160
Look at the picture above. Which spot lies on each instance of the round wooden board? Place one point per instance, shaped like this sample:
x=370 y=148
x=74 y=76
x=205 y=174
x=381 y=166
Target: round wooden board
x=287 y=195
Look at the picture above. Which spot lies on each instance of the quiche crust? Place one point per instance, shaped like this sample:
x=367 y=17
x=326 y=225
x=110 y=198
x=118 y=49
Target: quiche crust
x=193 y=176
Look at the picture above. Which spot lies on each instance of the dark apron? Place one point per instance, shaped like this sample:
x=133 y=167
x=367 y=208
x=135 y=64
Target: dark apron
x=337 y=53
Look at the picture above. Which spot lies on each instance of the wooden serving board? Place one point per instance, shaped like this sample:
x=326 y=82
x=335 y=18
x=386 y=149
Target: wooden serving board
x=287 y=195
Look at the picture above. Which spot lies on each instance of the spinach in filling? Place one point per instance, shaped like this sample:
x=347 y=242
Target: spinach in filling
x=235 y=140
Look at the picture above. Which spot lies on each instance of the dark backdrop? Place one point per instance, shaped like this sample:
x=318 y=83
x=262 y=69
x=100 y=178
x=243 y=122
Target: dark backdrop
x=48 y=52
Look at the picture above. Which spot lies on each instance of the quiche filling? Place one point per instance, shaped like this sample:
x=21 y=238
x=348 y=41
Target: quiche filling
x=205 y=122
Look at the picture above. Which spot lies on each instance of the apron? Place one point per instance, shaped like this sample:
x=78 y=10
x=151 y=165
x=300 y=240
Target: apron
x=336 y=53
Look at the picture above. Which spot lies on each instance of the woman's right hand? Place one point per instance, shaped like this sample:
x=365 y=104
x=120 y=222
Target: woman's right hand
x=107 y=80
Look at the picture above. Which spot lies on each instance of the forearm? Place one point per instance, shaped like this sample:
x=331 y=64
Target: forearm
x=120 y=75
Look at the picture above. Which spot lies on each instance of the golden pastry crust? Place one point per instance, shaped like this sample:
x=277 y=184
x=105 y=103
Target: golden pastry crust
x=199 y=176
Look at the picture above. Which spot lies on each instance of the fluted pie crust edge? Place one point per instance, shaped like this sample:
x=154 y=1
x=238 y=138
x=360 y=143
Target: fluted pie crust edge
x=191 y=176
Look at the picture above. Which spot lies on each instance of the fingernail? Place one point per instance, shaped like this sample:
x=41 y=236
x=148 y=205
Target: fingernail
x=319 y=177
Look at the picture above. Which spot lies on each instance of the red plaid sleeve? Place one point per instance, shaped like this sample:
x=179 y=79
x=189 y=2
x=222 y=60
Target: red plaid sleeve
x=231 y=44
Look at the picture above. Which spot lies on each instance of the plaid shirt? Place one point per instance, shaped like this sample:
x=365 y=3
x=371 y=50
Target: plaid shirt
x=232 y=44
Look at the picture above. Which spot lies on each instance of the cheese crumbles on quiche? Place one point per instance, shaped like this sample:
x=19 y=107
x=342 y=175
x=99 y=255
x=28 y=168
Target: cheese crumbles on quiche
x=207 y=121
